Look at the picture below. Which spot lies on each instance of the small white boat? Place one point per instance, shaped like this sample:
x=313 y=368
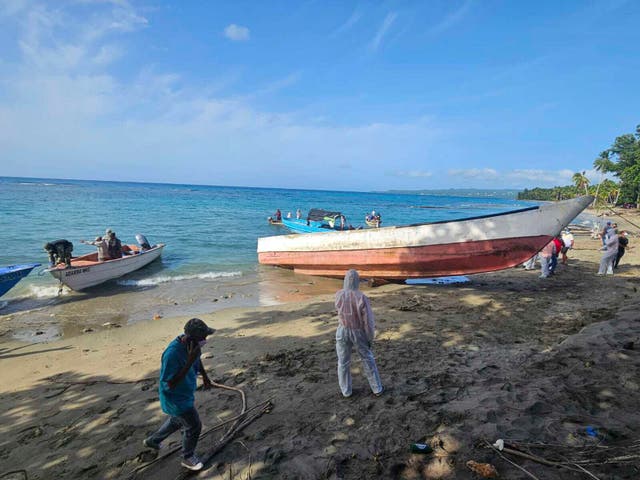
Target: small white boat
x=87 y=271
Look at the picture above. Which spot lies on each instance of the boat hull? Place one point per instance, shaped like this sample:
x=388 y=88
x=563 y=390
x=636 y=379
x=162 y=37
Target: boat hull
x=85 y=273
x=481 y=244
x=413 y=262
x=302 y=226
x=10 y=276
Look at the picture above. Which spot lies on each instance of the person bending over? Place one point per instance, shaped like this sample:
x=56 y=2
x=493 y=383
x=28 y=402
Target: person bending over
x=59 y=252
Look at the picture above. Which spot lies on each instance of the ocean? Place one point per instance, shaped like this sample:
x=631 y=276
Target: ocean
x=209 y=261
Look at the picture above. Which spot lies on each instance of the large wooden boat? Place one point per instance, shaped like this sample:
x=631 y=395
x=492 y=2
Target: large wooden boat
x=472 y=245
x=87 y=271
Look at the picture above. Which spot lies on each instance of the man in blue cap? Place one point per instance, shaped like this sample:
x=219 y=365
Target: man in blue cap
x=180 y=365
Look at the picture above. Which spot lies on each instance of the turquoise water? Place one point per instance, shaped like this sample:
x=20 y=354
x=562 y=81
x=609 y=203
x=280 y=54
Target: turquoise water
x=207 y=229
x=210 y=232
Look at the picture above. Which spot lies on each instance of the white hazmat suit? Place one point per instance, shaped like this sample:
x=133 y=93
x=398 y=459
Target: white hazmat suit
x=609 y=254
x=356 y=329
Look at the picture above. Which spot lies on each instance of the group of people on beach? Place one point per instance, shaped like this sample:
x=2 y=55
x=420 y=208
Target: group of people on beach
x=614 y=244
x=548 y=256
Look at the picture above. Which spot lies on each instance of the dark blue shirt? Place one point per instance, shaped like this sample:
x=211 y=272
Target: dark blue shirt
x=178 y=400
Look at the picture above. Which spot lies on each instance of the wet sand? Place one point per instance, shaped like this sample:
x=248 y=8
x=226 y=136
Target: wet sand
x=67 y=315
x=508 y=355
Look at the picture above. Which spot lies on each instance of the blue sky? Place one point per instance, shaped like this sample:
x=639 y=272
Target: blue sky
x=316 y=94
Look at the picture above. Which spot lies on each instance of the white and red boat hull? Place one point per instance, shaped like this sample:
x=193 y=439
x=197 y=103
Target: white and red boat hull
x=86 y=271
x=481 y=244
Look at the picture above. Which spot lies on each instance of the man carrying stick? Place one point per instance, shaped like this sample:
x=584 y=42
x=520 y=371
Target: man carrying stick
x=180 y=365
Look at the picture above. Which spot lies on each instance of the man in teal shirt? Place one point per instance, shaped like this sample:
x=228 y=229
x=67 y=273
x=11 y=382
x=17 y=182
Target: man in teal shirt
x=180 y=366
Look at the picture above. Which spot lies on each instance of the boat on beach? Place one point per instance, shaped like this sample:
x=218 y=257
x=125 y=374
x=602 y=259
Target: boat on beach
x=11 y=275
x=87 y=271
x=458 y=247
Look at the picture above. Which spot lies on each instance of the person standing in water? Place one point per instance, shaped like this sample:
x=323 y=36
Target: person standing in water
x=356 y=328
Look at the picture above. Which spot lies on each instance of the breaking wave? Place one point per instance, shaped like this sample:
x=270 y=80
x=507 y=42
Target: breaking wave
x=46 y=292
x=146 y=282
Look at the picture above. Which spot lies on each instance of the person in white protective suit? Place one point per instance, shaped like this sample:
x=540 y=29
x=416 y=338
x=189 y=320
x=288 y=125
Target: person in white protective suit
x=609 y=254
x=356 y=328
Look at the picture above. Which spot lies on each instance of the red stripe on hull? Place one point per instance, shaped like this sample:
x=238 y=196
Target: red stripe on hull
x=413 y=262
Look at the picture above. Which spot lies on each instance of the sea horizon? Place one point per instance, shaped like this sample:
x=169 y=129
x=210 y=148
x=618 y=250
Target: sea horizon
x=463 y=192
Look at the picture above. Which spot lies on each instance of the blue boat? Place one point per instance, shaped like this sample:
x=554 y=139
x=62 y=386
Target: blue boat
x=12 y=274
x=318 y=221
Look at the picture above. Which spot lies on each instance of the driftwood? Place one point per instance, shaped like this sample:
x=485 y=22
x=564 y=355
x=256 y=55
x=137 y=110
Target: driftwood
x=573 y=458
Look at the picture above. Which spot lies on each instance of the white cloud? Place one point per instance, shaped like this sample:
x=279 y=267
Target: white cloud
x=384 y=28
x=65 y=113
x=451 y=19
x=237 y=33
x=12 y=7
x=516 y=177
x=280 y=84
x=413 y=173
x=476 y=173
x=346 y=26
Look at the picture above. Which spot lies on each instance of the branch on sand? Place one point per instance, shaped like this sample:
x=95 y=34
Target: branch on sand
x=240 y=421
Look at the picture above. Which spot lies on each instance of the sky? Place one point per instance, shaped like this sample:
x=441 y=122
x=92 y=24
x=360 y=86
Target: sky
x=330 y=95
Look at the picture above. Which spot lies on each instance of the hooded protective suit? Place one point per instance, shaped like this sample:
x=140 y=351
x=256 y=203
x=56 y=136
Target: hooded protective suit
x=356 y=328
x=609 y=254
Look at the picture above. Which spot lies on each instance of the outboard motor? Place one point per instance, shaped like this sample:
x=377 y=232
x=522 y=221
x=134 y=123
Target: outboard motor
x=142 y=241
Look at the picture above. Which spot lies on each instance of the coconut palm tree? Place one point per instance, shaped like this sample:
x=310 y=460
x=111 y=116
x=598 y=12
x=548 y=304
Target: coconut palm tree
x=602 y=164
x=581 y=181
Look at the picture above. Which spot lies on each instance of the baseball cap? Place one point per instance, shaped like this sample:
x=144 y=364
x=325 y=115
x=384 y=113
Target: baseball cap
x=197 y=328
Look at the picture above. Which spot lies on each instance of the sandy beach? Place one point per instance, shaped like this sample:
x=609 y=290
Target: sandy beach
x=551 y=366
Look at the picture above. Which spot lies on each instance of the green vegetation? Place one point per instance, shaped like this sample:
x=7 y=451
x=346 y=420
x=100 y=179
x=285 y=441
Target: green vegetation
x=622 y=160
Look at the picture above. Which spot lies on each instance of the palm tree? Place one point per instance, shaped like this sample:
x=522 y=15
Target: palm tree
x=580 y=180
x=602 y=164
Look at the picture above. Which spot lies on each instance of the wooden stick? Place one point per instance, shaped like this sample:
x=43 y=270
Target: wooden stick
x=587 y=472
x=24 y=472
x=512 y=463
x=265 y=404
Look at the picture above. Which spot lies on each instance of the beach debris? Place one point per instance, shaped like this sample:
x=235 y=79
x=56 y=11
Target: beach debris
x=111 y=325
x=206 y=355
x=499 y=444
x=157 y=316
x=591 y=431
x=484 y=470
x=39 y=332
x=215 y=299
x=87 y=330
x=420 y=448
